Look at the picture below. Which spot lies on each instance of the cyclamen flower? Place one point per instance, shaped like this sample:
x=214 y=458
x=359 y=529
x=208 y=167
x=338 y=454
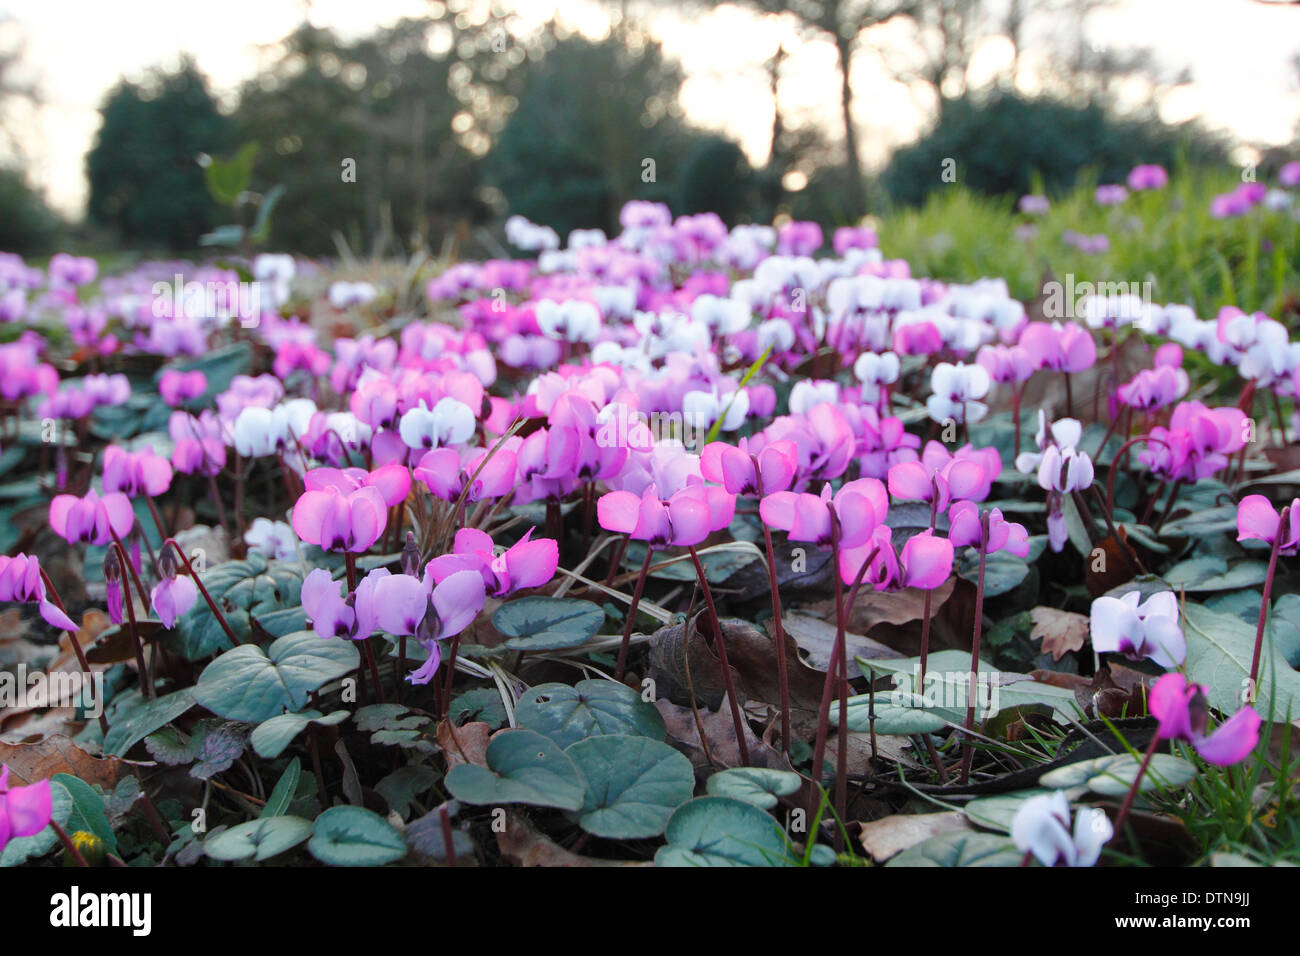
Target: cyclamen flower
x=527 y=564
x=1110 y=194
x=448 y=473
x=177 y=387
x=965 y=528
x=702 y=409
x=450 y=422
x=331 y=615
x=859 y=505
x=957 y=390
x=1258 y=520
x=925 y=561
x=733 y=467
x=392 y=480
x=1065 y=470
x=336 y=521
x=684 y=519
x=1061 y=348
x=24 y=811
x=1042 y=826
x=1065 y=434
x=91 y=519
x=875 y=372
x=1147 y=176
x=573 y=321
x=275 y=539
x=1147 y=630
x=958 y=478
x=173 y=596
x=1184 y=713
x=136 y=473
x=20 y=580
x=451 y=607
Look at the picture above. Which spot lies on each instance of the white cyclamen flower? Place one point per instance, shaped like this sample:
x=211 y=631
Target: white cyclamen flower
x=1042 y=826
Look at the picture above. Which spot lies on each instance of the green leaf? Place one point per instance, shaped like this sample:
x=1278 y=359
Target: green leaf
x=757 y=785
x=401 y=787
x=227 y=179
x=546 y=623
x=589 y=708
x=1112 y=776
x=960 y=848
x=1002 y=572
x=1219 y=651
x=1211 y=573
x=128 y=725
x=254 y=587
x=253 y=685
x=285 y=789
x=633 y=785
x=896 y=713
x=481 y=703
x=355 y=836
x=522 y=767
x=87 y=810
x=997 y=812
x=260 y=839
x=720 y=831
x=272 y=736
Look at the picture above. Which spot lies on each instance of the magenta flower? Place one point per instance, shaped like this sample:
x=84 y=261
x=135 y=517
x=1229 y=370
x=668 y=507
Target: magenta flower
x=1110 y=194
x=733 y=467
x=393 y=481
x=1184 y=714
x=338 y=521
x=91 y=519
x=331 y=615
x=1007 y=364
x=956 y=479
x=965 y=528
x=1061 y=348
x=455 y=602
x=20 y=580
x=1147 y=176
x=24 y=811
x=925 y=561
x=177 y=387
x=136 y=473
x=172 y=597
x=799 y=239
x=1257 y=519
x=684 y=520
x=1289 y=175
x=527 y=564
x=448 y=473
x=860 y=505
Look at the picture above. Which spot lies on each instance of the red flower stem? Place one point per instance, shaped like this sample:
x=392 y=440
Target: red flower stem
x=1137 y=782
x=722 y=656
x=451 y=676
x=212 y=605
x=925 y=614
x=144 y=595
x=1015 y=411
x=146 y=681
x=221 y=508
x=967 y=748
x=1169 y=505
x=1283 y=521
x=1069 y=397
x=1115 y=466
x=631 y=613
x=77 y=649
x=778 y=628
x=400 y=666
x=448 y=844
x=157 y=519
x=835 y=680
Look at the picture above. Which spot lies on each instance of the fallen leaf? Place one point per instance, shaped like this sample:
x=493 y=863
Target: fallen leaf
x=466 y=744
x=1060 y=631
x=817 y=638
x=30 y=760
x=523 y=845
x=885 y=607
x=719 y=733
x=886 y=838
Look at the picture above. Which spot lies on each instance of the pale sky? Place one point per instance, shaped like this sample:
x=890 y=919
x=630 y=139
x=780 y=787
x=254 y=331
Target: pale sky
x=1239 y=52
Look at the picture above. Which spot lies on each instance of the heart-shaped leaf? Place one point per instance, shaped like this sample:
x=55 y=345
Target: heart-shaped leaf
x=259 y=839
x=254 y=586
x=589 y=708
x=960 y=848
x=253 y=685
x=633 y=785
x=355 y=836
x=1112 y=776
x=547 y=623
x=720 y=831
x=134 y=718
x=1219 y=652
x=757 y=785
x=272 y=736
x=522 y=767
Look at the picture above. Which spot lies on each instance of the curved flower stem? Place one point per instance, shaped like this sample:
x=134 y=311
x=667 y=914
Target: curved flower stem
x=135 y=578
x=925 y=613
x=1282 y=524
x=77 y=649
x=451 y=676
x=727 y=682
x=399 y=666
x=836 y=681
x=212 y=605
x=967 y=748
x=1169 y=505
x=350 y=560
x=778 y=628
x=1114 y=466
x=157 y=520
x=146 y=680
x=1137 y=782
x=631 y=613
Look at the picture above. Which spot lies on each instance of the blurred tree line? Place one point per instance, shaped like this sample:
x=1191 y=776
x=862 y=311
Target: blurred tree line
x=453 y=120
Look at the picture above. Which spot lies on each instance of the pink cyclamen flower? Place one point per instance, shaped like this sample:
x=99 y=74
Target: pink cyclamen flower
x=332 y=615
x=91 y=519
x=1184 y=713
x=172 y=597
x=1289 y=175
x=336 y=521
x=527 y=564
x=859 y=505
x=136 y=473
x=965 y=528
x=1257 y=519
x=925 y=561
x=1139 y=630
x=1147 y=176
x=451 y=607
x=1110 y=194
x=24 y=811
x=683 y=520
x=20 y=580
x=958 y=478
x=177 y=387
x=393 y=481
x=733 y=467
x=448 y=473
x=1061 y=348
